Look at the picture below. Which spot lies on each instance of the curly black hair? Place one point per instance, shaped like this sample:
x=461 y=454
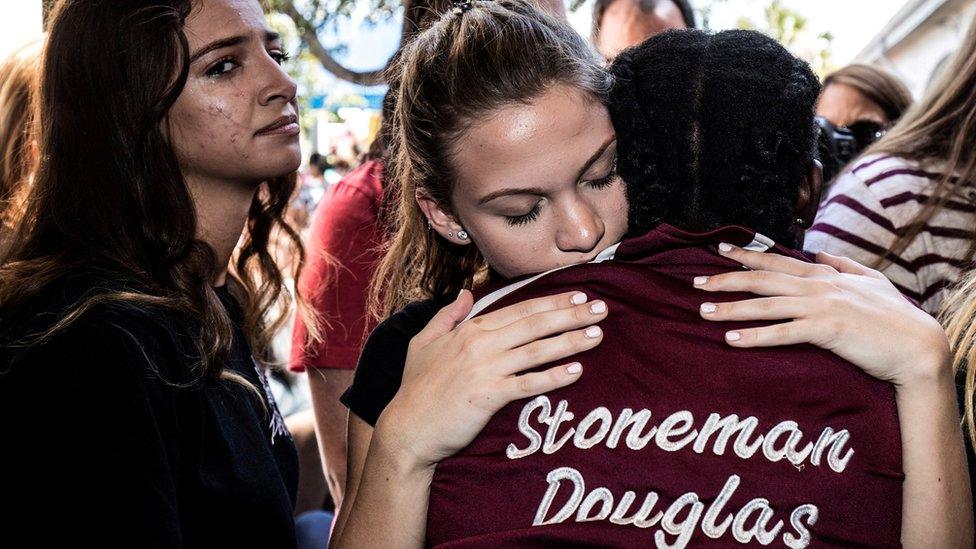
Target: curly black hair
x=713 y=130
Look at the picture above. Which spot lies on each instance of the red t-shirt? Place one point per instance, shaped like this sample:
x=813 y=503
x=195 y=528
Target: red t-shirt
x=343 y=252
x=673 y=438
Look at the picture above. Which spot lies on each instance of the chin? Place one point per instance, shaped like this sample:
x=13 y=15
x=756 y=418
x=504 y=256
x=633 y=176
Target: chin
x=281 y=166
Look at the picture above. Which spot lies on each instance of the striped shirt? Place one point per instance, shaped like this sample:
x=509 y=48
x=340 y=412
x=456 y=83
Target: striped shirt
x=875 y=202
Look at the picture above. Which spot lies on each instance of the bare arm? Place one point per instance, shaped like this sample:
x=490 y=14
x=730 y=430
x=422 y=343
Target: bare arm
x=936 y=504
x=855 y=312
x=326 y=386
x=386 y=495
x=359 y=435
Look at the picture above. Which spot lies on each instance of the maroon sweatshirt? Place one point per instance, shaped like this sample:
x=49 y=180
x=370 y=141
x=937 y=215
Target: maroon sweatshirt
x=672 y=438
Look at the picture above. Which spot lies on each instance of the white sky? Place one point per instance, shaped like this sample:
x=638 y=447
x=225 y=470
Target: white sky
x=853 y=22
x=20 y=23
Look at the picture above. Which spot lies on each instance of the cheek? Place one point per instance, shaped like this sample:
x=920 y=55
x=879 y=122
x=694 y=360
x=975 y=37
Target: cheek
x=207 y=125
x=614 y=211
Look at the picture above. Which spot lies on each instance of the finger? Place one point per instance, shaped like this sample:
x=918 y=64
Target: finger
x=765 y=283
x=513 y=313
x=847 y=265
x=788 y=333
x=551 y=349
x=535 y=383
x=761 y=308
x=548 y=323
x=764 y=261
x=446 y=319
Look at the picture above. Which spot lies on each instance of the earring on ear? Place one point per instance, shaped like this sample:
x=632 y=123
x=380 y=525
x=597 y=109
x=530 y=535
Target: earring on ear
x=462 y=234
x=430 y=225
x=800 y=222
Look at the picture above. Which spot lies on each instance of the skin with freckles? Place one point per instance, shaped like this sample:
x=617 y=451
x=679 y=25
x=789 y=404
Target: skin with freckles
x=536 y=186
x=843 y=105
x=235 y=123
x=233 y=91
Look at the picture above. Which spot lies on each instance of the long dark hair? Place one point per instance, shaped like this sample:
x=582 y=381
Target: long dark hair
x=109 y=197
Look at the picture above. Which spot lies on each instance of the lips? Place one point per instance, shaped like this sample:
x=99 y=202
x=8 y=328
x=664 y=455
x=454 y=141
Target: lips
x=285 y=125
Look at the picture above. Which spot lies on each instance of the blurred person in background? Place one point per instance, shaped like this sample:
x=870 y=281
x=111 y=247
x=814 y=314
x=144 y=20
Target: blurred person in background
x=620 y=24
x=344 y=248
x=858 y=104
x=908 y=208
x=18 y=79
x=132 y=330
x=310 y=192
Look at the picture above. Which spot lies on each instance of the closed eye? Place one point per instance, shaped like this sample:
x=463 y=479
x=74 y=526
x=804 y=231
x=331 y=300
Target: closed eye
x=605 y=181
x=525 y=218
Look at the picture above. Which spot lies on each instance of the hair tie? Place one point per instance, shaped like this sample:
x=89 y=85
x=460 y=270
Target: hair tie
x=461 y=6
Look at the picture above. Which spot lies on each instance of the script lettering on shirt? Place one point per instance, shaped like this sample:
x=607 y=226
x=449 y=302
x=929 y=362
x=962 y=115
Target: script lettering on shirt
x=755 y=522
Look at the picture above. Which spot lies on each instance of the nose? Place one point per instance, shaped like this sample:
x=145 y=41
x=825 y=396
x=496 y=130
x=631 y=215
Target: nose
x=276 y=85
x=580 y=227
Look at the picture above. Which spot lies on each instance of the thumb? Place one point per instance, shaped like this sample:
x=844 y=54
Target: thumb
x=446 y=319
x=846 y=265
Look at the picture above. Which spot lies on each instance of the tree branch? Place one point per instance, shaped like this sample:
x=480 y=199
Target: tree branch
x=307 y=31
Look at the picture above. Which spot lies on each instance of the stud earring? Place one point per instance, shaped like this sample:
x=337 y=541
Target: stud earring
x=462 y=234
x=800 y=222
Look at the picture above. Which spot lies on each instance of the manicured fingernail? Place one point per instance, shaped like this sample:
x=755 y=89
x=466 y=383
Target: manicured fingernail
x=700 y=280
x=574 y=368
x=733 y=336
x=725 y=248
x=593 y=332
x=578 y=299
x=707 y=308
x=598 y=308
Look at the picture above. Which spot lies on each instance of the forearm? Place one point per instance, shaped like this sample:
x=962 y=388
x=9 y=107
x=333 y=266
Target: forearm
x=390 y=505
x=937 y=504
x=326 y=386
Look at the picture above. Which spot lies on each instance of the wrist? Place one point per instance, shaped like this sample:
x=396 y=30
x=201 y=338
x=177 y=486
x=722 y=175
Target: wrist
x=392 y=446
x=932 y=369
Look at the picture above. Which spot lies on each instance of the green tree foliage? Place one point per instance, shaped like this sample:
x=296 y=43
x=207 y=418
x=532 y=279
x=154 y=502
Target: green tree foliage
x=792 y=29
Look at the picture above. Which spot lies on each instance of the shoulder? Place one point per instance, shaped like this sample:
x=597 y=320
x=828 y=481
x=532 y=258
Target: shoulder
x=878 y=193
x=887 y=176
x=361 y=189
x=349 y=211
x=91 y=338
x=403 y=325
x=380 y=369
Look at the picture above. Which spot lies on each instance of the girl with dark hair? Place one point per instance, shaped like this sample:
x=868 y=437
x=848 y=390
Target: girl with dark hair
x=132 y=385
x=503 y=158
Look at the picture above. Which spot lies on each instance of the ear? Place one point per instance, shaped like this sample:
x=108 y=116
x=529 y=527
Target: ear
x=440 y=220
x=808 y=199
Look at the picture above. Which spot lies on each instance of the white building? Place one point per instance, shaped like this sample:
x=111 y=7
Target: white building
x=919 y=39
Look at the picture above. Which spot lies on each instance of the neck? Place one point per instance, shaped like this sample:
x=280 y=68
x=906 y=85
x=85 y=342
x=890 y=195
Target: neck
x=221 y=208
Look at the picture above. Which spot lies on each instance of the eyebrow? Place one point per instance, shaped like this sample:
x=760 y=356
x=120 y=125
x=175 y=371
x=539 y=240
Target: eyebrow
x=269 y=36
x=536 y=190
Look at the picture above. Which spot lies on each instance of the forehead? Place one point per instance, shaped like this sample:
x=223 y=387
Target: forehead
x=543 y=142
x=214 y=19
x=838 y=98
